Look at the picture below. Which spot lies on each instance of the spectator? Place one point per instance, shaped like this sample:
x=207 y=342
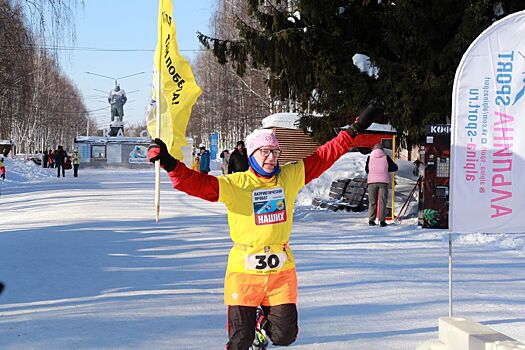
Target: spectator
x=196 y=163
x=60 y=160
x=75 y=158
x=225 y=155
x=2 y=169
x=51 y=158
x=378 y=165
x=238 y=159
x=45 y=159
x=204 y=164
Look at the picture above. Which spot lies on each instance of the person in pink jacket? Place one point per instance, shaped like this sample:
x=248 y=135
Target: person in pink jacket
x=378 y=165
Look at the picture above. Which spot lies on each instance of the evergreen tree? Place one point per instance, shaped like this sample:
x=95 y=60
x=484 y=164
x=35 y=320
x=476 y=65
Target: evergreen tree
x=308 y=45
x=424 y=41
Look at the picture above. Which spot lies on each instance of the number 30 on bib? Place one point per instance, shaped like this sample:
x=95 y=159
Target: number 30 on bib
x=265 y=262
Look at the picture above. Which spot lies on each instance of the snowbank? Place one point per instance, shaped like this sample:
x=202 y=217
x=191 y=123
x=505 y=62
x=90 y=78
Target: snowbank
x=348 y=166
x=281 y=120
x=23 y=171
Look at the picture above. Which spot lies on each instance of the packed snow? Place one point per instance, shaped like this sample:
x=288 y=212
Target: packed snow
x=86 y=267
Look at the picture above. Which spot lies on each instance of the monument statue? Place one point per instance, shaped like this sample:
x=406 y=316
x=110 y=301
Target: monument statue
x=117 y=98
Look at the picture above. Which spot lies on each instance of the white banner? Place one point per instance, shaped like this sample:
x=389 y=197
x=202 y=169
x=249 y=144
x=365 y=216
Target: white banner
x=487 y=190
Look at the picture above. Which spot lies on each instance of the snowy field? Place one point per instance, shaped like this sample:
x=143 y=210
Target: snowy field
x=86 y=267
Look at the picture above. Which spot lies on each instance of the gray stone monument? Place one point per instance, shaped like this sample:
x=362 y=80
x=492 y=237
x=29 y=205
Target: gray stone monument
x=117 y=98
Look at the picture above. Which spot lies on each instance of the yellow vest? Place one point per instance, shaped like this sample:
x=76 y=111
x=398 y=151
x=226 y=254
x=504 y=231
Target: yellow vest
x=75 y=158
x=260 y=215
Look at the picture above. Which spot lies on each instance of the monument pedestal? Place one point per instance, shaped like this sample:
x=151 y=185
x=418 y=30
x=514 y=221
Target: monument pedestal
x=116 y=129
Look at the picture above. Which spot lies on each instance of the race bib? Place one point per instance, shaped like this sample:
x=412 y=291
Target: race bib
x=265 y=261
x=269 y=206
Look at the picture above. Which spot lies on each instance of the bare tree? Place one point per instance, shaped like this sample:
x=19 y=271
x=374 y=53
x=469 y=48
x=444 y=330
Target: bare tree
x=39 y=106
x=52 y=21
x=231 y=105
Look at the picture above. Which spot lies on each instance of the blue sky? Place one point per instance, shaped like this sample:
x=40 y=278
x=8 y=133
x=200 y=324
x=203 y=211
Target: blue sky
x=131 y=24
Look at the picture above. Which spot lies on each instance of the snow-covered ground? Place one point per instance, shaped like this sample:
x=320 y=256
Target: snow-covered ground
x=86 y=267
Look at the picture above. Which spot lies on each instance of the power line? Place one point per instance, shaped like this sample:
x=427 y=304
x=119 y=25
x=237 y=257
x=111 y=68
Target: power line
x=80 y=48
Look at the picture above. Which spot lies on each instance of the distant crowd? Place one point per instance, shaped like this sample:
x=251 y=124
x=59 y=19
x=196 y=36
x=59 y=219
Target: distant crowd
x=59 y=159
x=234 y=162
x=53 y=158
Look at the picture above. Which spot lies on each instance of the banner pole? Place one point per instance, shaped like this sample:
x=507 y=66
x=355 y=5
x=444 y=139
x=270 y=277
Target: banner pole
x=450 y=274
x=392 y=211
x=158 y=105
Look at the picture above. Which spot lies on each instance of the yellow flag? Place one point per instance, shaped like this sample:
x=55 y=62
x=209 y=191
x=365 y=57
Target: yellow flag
x=178 y=90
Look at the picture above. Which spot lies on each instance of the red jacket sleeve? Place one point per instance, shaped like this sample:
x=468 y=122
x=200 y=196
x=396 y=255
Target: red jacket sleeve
x=195 y=183
x=326 y=155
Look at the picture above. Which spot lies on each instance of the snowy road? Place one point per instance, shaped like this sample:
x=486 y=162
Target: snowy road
x=86 y=267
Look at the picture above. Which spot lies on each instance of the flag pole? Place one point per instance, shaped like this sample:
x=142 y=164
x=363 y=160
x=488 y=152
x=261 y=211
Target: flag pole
x=392 y=211
x=450 y=300
x=159 y=87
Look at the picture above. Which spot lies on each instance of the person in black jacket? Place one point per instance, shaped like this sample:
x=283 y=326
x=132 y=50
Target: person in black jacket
x=60 y=160
x=238 y=159
x=44 y=159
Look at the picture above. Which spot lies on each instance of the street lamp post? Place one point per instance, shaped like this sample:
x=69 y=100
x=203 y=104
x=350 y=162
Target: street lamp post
x=117 y=98
x=113 y=78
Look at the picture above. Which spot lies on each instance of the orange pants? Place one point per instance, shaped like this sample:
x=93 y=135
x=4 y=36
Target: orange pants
x=267 y=289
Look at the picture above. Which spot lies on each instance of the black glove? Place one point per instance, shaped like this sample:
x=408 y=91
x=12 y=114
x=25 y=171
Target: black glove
x=157 y=150
x=372 y=112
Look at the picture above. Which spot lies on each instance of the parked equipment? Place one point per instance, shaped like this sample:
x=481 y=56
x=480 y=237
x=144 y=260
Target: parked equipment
x=434 y=190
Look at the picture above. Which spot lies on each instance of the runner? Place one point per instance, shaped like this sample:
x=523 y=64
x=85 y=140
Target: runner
x=260 y=203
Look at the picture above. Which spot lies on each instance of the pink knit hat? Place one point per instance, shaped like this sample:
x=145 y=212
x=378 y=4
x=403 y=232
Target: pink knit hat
x=260 y=138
